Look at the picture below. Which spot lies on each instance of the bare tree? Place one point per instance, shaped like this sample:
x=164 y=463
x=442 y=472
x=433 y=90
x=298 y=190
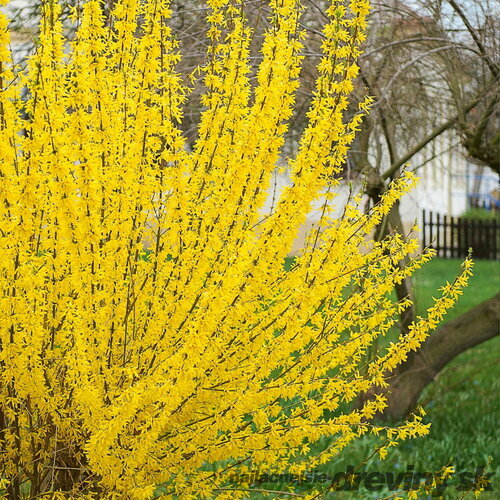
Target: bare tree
x=433 y=68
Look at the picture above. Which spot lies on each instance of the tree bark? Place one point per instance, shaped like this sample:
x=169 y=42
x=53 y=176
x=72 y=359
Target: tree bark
x=475 y=326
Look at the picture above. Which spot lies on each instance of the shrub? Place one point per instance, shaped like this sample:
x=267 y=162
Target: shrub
x=147 y=325
x=481 y=214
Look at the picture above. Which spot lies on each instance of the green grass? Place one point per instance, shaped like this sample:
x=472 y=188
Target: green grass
x=462 y=403
x=484 y=284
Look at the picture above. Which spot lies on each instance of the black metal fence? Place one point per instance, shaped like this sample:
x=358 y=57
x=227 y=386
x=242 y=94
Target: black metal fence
x=452 y=237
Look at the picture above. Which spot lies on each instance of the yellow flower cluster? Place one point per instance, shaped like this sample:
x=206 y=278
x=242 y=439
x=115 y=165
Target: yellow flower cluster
x=147 y=325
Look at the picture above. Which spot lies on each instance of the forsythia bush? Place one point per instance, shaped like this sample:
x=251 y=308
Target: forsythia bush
x=149 y=334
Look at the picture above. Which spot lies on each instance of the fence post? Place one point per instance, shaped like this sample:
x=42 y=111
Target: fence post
x=430 y=228
x=465 y=237
x=445 y=239
x=438 y=235
x=424 y=229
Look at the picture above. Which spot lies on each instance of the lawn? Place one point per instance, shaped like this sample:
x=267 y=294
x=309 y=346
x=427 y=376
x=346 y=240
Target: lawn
x=462 y=403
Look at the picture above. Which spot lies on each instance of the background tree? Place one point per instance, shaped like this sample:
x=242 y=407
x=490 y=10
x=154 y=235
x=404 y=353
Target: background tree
x=450 y=53
x=432 y=67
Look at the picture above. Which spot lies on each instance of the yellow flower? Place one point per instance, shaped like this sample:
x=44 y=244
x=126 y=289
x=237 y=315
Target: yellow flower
x=147 y=325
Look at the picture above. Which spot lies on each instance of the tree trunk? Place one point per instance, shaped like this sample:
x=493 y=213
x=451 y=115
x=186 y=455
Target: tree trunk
x=475 y=326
